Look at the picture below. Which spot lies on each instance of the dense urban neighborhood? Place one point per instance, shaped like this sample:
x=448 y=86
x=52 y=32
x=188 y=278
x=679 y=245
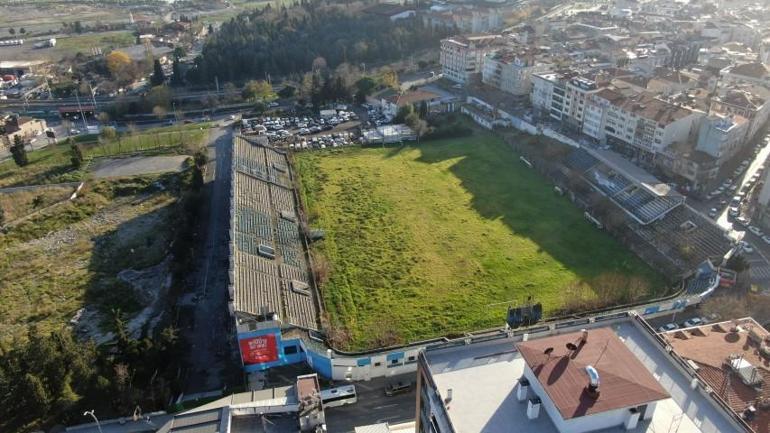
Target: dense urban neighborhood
x=373 y=216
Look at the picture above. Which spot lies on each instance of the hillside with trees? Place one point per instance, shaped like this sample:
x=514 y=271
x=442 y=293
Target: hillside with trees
x=310 y=35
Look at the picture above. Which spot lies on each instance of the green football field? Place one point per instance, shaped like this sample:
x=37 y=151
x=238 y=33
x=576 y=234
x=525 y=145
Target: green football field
x=438 y=238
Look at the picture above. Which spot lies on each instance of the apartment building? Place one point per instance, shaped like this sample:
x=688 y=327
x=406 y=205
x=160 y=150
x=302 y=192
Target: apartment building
x=465 y=19
x=511 y=69
x=463 y=56
x=722 y=136
x=745 y=104
x=615 y=375
x=751 y=73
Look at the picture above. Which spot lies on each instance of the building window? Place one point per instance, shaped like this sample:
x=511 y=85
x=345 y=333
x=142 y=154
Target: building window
x=290 y=350
x=377 y=364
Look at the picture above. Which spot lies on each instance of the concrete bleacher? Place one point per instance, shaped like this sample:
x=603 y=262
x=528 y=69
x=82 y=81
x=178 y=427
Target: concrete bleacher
x=264 y=213
x=580 y=160
x=638 y=193
x=684 y=227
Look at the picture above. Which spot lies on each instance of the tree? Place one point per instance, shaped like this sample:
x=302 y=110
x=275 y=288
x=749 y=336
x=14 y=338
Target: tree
x=109 y=133
x=159 y=112
x=120 y=65
x=179 y=52
x=258 y=90
x=403 y=113
x=22 y=30
x=364 y=88
x=76 y=155
x=287 y=91
x=2 y=217
x=19 y=152
x=78 y=27
x=211 y=29
x=158 y=77
x=177 y=78
x=158 y=96
x=423 y=110
x=12 y=31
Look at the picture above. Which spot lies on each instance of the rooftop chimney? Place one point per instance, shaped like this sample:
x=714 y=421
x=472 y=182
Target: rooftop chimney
x=448 y=396
x=593 y=381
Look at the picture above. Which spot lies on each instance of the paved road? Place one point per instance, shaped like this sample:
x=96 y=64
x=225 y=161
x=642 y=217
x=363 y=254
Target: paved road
x=208 y=331
x=137 y=165
x=760 y=265
x=373 y=406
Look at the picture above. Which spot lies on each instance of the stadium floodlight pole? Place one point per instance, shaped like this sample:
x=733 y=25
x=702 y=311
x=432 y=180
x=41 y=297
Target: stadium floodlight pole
x=93 y=415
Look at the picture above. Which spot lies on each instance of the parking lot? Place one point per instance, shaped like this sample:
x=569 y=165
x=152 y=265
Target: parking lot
x=334 y=128
x=331 y=128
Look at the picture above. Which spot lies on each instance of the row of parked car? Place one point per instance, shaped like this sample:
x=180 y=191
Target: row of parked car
x=338 y=139
x=689 y=323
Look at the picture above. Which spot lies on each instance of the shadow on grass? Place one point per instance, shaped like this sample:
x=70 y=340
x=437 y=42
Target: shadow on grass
x=504 y=189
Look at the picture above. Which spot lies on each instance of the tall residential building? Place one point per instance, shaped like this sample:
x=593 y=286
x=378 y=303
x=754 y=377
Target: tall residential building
x=751 y=73
x=462 y=56
x=511 y=69
x=722 y=136
x=642 y=124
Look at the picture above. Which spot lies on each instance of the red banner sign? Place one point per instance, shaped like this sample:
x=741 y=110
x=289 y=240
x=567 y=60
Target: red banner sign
x=258 y=350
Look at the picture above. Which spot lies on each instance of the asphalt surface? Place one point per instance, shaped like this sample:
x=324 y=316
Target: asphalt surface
x=137 y=165
x=374 y=406
x=760 y=265
x=206 y=321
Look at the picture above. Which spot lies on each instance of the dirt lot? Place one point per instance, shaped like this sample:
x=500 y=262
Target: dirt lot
x=88 y=253
x=137 y=165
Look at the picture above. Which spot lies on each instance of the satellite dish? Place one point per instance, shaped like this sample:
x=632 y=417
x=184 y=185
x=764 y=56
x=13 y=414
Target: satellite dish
x=571 y=346
x=548 y=350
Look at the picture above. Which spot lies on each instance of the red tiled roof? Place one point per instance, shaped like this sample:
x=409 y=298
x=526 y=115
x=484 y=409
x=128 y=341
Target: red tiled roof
x=710 y=346
x=624 y=380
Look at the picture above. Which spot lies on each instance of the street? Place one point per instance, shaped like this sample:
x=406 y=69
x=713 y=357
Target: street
x=758 y=259
x=374 y=406
x=207 y=327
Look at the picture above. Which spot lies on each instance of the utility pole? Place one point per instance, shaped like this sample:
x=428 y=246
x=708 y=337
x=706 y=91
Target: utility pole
x=216 y=83
x=82 y=115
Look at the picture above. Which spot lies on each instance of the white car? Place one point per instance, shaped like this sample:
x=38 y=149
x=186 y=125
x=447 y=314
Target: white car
x=755 y=230
x=713 y=212
x=734 y=212
x=766 y=238
x=668 y=327
x=742 y=221
x=695 y=321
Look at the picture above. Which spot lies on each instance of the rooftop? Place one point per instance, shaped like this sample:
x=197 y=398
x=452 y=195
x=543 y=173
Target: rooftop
x=753 y=70
x=711 y=348
x=484 y=378
x=646 y=106
x=562 y=373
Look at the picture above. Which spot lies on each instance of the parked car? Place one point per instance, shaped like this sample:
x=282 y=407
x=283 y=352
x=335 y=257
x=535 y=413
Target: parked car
x=713 y=212
x=766 y=238
x=746 y=247
x=668 y=327
x=755 y=230
x=397 y=388
x=734 y=212
x=695 y=321
x=742 y=221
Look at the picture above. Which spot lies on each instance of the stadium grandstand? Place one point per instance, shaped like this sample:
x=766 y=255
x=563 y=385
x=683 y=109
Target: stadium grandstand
x=271 y=291
x=639 y=194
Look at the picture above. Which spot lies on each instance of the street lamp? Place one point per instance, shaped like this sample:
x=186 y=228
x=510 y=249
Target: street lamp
x=91 y=413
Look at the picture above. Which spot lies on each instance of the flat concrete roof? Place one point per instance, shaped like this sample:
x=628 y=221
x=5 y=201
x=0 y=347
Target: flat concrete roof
x=484 y=376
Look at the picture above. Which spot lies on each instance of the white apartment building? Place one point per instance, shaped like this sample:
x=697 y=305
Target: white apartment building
x=639 y=122
x=563 y=96
x=722 y=136
x=463 y=56
x=510 y=70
